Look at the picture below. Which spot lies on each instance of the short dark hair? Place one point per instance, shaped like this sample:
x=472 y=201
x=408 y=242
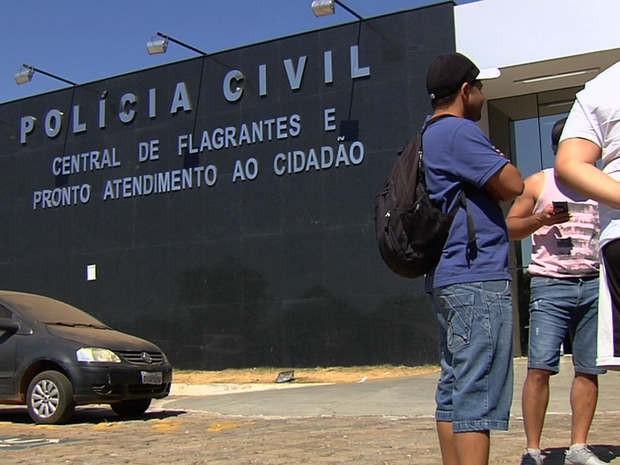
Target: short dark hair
x=444 y=101
x=556 y=133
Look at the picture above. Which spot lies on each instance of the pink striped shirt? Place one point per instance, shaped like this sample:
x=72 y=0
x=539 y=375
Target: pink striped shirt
x=568 y=249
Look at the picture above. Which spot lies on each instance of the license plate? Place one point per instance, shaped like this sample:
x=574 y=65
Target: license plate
x=152 y=377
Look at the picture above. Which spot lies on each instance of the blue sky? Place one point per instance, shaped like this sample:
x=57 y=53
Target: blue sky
x=88 y=40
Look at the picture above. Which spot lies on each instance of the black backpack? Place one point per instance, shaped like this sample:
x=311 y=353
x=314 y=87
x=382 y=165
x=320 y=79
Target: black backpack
x=411 y=232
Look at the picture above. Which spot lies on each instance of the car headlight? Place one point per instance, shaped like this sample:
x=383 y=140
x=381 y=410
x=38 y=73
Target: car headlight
x=94 y=354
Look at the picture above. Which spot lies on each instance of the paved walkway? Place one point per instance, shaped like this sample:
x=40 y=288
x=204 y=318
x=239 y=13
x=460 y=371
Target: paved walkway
x=410 y=396
x=380 y=422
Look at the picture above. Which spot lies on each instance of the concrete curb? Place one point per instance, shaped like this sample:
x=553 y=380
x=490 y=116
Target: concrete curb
x=214 y=389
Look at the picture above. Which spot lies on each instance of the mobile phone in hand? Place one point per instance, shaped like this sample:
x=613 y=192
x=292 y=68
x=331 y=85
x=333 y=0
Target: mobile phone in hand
x=560 y=206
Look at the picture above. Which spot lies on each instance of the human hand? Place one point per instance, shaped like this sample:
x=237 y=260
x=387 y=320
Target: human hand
x=550 y=216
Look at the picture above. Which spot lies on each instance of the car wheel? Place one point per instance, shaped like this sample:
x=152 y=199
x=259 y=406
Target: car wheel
x=131 y=408
x=50 y=398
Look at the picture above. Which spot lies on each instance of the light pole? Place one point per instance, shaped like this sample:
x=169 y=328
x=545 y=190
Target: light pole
x=26 y=72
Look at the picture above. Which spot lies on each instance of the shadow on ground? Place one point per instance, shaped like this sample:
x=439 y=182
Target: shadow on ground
x=86 y=415
x=555 y=455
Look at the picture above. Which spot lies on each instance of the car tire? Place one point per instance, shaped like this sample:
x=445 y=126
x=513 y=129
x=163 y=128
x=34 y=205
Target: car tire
x=50 y=398
x=131 y=408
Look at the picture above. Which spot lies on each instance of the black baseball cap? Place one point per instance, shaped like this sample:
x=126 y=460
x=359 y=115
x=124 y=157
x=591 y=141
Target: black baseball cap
x=449 y=72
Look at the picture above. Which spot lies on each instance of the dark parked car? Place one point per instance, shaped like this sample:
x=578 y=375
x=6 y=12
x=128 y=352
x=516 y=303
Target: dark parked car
x=54 y=357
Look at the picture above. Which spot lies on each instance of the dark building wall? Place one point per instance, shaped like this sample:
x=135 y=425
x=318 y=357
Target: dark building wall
x=276 y=262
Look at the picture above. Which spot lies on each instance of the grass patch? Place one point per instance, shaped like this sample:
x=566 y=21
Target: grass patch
x=267 y=375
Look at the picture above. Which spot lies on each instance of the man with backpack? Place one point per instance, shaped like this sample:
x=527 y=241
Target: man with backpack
x=470 y=286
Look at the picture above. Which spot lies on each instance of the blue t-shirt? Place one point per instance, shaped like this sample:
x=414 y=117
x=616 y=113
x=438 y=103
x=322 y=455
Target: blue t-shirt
x=458 y=154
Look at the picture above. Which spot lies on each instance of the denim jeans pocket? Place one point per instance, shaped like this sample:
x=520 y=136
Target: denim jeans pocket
x=458 y=312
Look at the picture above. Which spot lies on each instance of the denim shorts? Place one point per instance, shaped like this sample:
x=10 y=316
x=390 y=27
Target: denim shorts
x=475 y=345
x=561 y=307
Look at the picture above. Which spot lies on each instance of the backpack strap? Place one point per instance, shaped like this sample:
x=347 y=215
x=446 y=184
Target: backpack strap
x=471 y=227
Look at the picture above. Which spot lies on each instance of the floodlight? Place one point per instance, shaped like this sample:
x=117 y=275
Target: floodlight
x=24 y=75
x=159 y=44
x=323 y=7
x=26 y=72
x=328 y=7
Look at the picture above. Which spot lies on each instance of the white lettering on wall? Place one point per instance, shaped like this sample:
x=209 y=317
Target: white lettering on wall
x=85 y=162
x=262 y=80
x=330 y=118
x=327 y=63
x=148 y=151
x=233 y=85
x=53 y=122
x=295 y=75
x=102 y=113
x=61 y=197
x=176 y=180
x=180 y=99
x=26 y=126
x=77 y=126
x=356 y=71
x=228 y=137
x=152 y=103
x=245 y=172
x=126 y=113
x=298 y=161
x=160 y=183
x=233 y=90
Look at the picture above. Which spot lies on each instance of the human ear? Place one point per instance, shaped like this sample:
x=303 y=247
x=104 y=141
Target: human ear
x=466 y=89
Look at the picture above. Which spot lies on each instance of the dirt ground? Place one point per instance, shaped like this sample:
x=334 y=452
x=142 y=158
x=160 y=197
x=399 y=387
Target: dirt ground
x=301 y=375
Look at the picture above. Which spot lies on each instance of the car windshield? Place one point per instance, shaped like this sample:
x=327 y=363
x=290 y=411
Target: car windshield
x=46 y=310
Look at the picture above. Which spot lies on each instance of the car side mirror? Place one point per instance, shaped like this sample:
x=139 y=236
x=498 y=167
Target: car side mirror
x=6 y=324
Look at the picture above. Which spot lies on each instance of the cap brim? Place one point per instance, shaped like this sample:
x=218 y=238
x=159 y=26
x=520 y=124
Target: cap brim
x=489 y=73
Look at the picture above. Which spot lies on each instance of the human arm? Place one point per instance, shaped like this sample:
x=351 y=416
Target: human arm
x=505 y=184
x=575 y=166
x=476 y=161
x=521 y=219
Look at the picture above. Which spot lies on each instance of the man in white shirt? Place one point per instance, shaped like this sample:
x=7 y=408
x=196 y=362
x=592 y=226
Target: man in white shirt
x=592 y=132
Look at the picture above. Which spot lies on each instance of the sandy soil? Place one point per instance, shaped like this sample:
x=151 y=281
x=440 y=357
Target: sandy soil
x=301 y=375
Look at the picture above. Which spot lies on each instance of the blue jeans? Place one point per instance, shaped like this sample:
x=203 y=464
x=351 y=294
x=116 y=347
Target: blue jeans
x=475 y=344
x=559 y=307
